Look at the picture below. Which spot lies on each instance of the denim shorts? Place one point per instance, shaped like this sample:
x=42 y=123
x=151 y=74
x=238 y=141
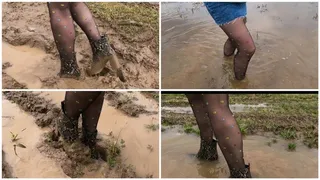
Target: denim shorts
x=226 y=12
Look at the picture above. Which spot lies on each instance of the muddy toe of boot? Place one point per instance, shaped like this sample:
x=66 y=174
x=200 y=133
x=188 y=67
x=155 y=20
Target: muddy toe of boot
x=208 y=150
x=241 y=173
x=102 y=53
x=228 y=48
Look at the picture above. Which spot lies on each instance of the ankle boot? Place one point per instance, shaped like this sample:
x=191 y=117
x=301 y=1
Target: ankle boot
x=68 y=127
x=241 y=173
x=69 y=67
x=90 y=139
x=102 y=53
x=208 y=150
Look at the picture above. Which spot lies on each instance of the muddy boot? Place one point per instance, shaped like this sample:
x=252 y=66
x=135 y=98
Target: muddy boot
x=69 y=68
x=241 y=173
x=102 y=53
x=68 y=127
x=90 y=139
x=208 y=150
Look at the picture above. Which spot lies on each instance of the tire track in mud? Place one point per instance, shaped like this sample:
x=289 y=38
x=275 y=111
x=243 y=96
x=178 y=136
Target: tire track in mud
x=75 y=160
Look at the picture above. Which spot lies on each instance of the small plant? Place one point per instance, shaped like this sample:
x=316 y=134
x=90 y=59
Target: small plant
x=269 y=144
x=152 y=127
x=150 y=148
x=292 y=147
x=14 y=139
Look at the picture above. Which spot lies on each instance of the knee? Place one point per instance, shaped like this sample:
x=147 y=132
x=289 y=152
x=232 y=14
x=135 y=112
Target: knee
x=249 y=49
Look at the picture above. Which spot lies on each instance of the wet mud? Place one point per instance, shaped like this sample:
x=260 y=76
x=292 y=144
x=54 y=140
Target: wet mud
x=121 y=155
x=29 y=47
x=267 y=160
x=286 y=47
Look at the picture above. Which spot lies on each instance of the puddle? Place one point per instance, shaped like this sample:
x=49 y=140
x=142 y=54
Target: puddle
x=178 y=150
x=132 y=130
x=233 y=107
x=286 y=41
x=30 y=163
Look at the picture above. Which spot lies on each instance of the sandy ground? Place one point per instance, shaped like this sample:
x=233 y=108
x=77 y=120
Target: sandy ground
x=31 y=116
x=32 y=60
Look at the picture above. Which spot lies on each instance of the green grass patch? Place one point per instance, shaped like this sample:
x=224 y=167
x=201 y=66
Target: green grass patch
x=292 y=146
x=129 y=19
x=188 y=128
x=152 y=127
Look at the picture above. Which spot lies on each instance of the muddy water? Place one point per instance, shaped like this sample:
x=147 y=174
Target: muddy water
x=178 y=160
x=29 y=162
x=233 y=107
x=37 y=70
x=285 y=35
x=132 y=130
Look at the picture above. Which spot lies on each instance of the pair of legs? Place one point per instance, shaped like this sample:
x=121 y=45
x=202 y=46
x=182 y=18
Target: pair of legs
x=239 y=38
x=62 y=17
x=214 y=117
x=87 y=104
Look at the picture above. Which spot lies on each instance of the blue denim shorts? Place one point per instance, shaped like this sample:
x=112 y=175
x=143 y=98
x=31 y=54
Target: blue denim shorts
x=226 y=12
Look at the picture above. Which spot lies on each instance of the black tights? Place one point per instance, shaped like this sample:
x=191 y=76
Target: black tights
x=62 y=16
x=214 y=116
x=239 y=38
x=89 y=104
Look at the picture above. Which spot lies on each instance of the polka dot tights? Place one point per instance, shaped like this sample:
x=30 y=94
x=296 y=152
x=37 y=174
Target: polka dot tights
x=213 y=114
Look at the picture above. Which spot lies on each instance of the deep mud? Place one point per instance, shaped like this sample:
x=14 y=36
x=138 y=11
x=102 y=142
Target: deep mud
x=74 y=160
x=29 y=47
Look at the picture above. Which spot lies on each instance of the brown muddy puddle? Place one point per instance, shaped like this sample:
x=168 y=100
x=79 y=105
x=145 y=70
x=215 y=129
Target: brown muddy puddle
x=178 y=158
x=286 y=42
x=31 y=163
x=37 y=70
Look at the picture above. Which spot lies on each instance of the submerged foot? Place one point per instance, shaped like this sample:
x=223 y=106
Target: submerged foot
x=69 y=69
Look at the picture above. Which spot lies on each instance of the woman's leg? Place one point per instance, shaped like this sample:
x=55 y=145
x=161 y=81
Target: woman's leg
x=83 y=17
x=240 y=37
x=230 y=46
x=227 y=133
x=64 y=36
x=74 y=104
x=208 y=146
x=90 y=119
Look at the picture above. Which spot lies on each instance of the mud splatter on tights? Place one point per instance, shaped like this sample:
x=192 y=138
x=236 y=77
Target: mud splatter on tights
x=62 y=16
x=223 y=124
x=239 y=38
x=89 y=104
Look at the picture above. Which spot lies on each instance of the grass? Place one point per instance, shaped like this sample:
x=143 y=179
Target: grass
x=152 y=127
x=188 y=128
x=292 y=147
x=292 y=116
x=129 y=19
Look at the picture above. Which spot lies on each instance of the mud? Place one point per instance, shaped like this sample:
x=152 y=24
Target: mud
x=73 y=160
x=6 y=169
x=267 y=159
x=27 y=33
x=127 y=104
x=286 y=47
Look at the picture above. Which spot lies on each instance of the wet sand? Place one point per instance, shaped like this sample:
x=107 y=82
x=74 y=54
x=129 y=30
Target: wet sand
x=286 y=42
x=132 y=130
x=179 y=149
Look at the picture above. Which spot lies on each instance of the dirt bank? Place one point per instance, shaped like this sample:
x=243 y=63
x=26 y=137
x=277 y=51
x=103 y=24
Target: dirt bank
x=29 y=47
x=132 y=149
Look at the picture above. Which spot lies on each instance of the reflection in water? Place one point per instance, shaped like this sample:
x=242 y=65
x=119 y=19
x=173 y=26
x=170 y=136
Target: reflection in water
x=179 y=161
x=286 y=41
